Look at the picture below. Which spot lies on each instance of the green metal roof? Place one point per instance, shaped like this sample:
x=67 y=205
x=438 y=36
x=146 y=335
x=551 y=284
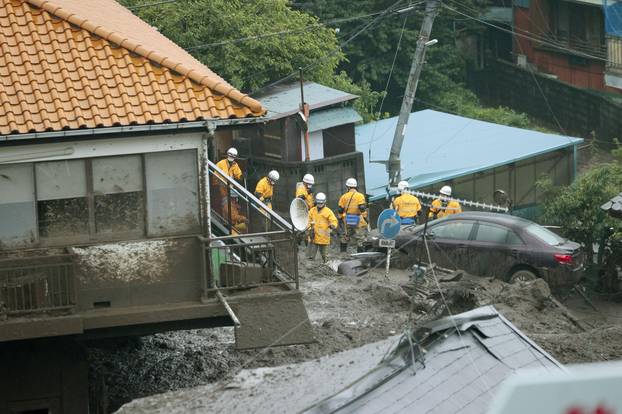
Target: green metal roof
x=328 y=118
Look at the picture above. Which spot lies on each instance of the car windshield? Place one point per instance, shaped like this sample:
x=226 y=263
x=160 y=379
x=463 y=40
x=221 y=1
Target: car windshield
x=545 y=235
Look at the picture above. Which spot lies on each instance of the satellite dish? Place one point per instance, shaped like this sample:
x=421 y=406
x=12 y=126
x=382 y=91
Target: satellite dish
x=299 y=214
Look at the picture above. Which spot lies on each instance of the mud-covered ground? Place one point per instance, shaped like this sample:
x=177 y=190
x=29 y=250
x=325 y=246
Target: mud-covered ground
x=347 y=312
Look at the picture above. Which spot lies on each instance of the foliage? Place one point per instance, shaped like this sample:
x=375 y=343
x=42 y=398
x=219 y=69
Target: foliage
x=576 y=208
x=465 y=103
x=214 y=25
x=442 y=82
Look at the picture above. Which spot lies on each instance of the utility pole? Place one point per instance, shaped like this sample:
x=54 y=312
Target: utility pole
x=304 y=111
x=394 y=164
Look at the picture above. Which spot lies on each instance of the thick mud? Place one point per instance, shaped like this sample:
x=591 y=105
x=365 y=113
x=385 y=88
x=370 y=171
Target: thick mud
x=346 y=313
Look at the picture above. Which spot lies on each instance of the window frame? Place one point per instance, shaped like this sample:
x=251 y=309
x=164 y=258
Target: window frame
x=92 y=237
x=473 y=224
x=507 y=229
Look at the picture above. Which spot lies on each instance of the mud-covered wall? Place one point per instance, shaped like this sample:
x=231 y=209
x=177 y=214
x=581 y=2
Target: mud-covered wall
x=138 y=273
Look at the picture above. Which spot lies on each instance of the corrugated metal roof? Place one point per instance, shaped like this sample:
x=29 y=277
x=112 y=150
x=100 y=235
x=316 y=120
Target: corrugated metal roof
x=440 y=146
x=332 y=117
x=498 y=14
x=284 y=100
x=458 y=373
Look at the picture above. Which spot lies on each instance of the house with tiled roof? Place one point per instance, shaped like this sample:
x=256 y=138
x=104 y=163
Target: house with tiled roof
x=107 y=229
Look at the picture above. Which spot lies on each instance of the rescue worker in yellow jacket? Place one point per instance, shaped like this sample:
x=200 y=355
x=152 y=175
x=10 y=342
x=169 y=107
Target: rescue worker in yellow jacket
x=321 y=221
x=232 y=213
x=353 y=214
x=264 y=190
x=304 y=190
x=444 y=206
x=406 y=205
x=231 y=168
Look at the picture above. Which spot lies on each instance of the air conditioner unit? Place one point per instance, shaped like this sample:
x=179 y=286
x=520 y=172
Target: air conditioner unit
x=521 y=61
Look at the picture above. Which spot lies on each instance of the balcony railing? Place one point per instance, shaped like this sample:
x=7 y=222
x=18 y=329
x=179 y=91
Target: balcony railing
x=575 y=46
x=614 y=53
x=245 y=262
x=37 y=284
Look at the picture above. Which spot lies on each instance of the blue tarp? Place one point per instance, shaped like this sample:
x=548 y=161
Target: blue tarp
x=439 y=147
x=613 y=17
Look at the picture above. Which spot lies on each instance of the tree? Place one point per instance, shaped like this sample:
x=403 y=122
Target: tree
x=576 y=208
x=369 y=58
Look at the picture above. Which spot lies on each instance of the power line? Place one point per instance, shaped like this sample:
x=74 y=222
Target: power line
x=318 y=25
x=141 y=6
x=531 y=36
x=338 y=49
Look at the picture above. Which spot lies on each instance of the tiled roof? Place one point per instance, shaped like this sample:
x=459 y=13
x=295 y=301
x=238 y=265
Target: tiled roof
x=70 y=64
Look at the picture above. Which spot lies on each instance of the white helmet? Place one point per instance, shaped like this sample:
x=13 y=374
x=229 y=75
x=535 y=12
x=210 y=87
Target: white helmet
x=351 y=183
x=320 y=198
x=446 y=190
x=402 y=186
x=274 y=176
x=308 y=179
x=232 y=152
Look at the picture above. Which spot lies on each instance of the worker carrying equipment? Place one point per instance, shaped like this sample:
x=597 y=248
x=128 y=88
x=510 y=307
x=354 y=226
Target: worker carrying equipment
x=321 y=221
x=264 y=190
x=444 y=205
x=353 y=214
x=406 y=205
x=304 y=190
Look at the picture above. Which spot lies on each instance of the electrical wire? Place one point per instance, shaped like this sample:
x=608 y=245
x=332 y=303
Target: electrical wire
x=531 y=36
x=142 y=6
x=318 y=25
x=358 y=32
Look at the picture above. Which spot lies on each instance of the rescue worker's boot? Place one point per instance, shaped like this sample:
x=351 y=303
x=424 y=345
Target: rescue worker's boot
x=343 y=247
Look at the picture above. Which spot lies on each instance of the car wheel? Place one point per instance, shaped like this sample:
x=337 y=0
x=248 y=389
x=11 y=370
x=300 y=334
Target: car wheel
x=522 y=275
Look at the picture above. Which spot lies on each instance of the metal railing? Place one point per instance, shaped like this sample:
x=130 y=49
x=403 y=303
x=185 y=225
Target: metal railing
x=614 y=53
x=576 y=46
x=258 y=247
x=237 y=209
x=37 y=284
x=244 y=262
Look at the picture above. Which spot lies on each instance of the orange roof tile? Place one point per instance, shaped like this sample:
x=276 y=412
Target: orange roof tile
x=69 y=64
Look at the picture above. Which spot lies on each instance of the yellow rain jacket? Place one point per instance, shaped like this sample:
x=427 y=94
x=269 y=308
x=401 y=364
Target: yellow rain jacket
x=238 y=220
x=303 y=192
x=320 y=222
x=264 y=191
x=231 y=169
x=349 y=203
x=407 y=205
x=453 y=207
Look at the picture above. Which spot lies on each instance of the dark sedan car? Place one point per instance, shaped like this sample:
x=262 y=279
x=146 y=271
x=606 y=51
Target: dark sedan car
x=498 y=245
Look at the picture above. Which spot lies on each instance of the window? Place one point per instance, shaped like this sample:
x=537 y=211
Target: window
x=458 y=230
x=172 y=192
x=119 y=197
x=18 y=223
x=272 y=139
x=62 y=205
x=544 y=234
x=496 y=234
x=109 y=198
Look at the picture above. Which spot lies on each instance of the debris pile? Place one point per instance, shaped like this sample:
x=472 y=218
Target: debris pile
x=138 y=367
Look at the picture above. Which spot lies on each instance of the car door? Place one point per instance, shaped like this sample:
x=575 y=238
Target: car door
x=448 y=243
x=494 y=249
